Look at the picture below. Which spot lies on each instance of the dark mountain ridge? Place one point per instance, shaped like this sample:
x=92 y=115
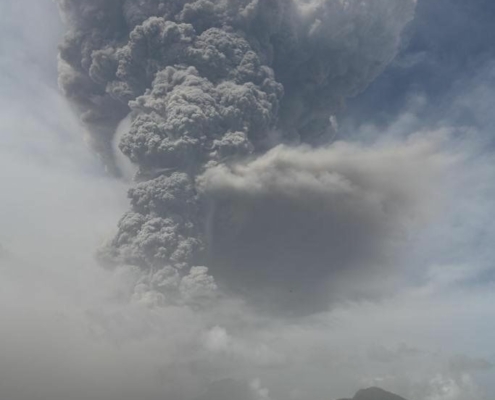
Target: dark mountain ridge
x=375 y=393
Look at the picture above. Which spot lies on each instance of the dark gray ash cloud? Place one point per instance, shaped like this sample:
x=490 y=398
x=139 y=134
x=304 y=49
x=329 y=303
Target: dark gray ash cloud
x=210 y=83
x=291 y=228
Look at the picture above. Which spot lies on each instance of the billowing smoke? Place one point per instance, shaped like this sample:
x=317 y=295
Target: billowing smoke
x=210 y=84
x=292 y=228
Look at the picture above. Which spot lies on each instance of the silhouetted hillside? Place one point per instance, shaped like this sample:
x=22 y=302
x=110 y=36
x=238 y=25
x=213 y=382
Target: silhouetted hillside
x=375 y=393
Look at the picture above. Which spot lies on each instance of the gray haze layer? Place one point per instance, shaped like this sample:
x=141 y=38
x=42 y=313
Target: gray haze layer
x=211 y=83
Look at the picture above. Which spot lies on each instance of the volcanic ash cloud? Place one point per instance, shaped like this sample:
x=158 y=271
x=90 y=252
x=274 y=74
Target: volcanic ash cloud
x=291 y=229
x=209 y=84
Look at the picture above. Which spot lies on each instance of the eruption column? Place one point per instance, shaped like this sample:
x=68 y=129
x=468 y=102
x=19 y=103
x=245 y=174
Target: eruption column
x=210 y=83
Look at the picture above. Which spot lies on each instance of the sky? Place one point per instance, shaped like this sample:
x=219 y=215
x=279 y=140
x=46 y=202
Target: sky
x=363 y=261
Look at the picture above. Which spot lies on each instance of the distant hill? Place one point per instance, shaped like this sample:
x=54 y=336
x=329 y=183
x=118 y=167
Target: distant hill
x=228 y=389
x=375 y=393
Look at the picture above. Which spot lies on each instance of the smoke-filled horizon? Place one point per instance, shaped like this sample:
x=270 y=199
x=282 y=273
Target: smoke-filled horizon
x=275 y=242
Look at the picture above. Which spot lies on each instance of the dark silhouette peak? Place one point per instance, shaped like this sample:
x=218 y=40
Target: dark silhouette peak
x=375 y=393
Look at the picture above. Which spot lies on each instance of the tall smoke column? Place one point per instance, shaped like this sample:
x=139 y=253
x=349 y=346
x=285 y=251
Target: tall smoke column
x=209 y=83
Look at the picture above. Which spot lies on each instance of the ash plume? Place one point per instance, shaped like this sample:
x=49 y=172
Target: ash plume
x=291 y=229
x=209 y=84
